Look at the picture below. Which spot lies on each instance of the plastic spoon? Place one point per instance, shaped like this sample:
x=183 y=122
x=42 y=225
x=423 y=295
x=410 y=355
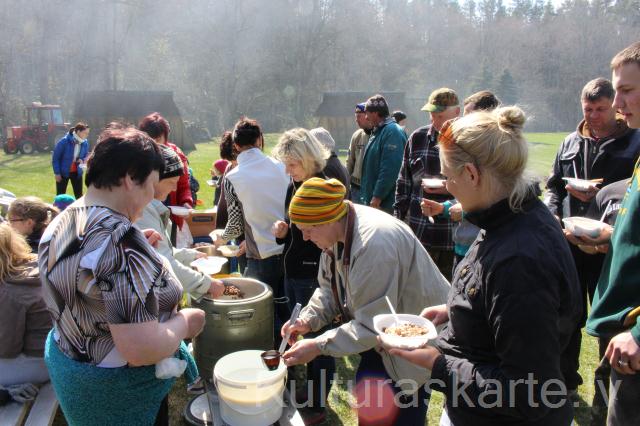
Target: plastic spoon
x=429 y=217
x=605 y=211
x=393 y=311
x=292 y=320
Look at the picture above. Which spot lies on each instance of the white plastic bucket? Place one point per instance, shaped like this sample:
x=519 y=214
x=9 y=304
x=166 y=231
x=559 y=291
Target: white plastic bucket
x=249 y=391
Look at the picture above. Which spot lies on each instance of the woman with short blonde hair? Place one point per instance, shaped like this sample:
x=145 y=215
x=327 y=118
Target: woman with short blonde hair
x=302 y=154
x=515 y=298
x=304 y=157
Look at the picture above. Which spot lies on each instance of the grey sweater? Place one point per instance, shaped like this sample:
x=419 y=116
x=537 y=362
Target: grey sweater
x=156 y=216
x=386 y=260
x=24 y=319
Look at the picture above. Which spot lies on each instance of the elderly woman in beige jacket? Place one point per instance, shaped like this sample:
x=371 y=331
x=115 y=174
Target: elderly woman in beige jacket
x=156 y=217
x=367 y=255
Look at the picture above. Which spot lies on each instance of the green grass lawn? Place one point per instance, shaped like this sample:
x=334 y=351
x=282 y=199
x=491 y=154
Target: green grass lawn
x=32 y=175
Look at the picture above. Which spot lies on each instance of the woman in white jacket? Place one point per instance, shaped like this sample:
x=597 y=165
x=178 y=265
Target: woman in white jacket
x=156 y=217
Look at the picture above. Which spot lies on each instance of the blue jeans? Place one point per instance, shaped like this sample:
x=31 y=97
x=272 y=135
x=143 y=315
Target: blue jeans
x=271 y=272
x=320 y=371
x=379 y=407
x=355 y=194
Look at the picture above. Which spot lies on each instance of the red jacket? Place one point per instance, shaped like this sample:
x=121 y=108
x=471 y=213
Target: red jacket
x=182 y=195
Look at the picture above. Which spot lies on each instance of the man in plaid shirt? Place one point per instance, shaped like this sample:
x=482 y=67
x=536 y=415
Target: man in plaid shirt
x=422 y=160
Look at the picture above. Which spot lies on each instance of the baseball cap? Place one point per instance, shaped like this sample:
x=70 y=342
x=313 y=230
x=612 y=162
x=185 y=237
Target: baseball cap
x=440 y=99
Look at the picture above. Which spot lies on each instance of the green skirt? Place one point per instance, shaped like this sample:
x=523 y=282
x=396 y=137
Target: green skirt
x=91 y=395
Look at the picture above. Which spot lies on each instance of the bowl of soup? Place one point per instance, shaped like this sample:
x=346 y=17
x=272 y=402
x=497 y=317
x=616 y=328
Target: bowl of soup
x=407 y=332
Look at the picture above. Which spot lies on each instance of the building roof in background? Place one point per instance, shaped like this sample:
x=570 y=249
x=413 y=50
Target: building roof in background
x=340 y=104
x=126 y=103
x=98 y=108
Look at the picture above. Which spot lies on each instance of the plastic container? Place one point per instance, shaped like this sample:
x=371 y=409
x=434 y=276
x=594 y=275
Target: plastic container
x=209 y=265
x=580 y=184
x=583 y=226
x=432 y=183
x=381 y=322
x=249 y=393
x=180 y=211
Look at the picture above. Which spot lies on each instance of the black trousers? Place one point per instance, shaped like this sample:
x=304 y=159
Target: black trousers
x=588 y=267
x=76 y=184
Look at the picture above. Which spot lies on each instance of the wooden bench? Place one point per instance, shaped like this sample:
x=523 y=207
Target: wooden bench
x=36 y=413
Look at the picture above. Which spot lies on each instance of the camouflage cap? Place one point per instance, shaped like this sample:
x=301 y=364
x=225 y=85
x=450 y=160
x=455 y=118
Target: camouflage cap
x=440 y=99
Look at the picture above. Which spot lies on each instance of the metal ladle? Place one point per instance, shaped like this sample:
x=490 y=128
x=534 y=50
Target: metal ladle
x=271 y=359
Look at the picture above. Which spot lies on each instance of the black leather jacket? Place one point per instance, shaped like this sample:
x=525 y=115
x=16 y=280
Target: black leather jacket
x=301 y=258
x=611 y=159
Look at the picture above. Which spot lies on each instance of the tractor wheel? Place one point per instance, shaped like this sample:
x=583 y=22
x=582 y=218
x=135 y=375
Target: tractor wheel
x=9 y=148
x=27 y=147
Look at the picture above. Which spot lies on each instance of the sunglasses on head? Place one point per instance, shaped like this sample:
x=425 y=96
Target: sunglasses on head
x=446 y=139
x=445 y=135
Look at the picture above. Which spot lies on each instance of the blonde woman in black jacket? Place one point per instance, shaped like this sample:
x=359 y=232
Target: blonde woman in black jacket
x=515 y=297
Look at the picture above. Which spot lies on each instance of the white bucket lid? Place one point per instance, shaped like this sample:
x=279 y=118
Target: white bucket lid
x=232 y=370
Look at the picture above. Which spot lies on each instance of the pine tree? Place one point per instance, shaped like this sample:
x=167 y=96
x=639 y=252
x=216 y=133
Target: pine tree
x=469 y=9
x=506 y=88
x=483 y=80
x=549 y=11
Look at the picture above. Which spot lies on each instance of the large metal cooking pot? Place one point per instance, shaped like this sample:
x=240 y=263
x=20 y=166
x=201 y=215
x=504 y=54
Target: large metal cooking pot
x=234 y=324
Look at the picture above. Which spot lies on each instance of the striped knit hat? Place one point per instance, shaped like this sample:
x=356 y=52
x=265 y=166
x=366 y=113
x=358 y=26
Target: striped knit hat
x=317 y=202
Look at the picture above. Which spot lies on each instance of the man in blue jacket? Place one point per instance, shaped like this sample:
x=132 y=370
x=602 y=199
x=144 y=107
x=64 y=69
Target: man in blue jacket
x=69 y=158
x=382 y=157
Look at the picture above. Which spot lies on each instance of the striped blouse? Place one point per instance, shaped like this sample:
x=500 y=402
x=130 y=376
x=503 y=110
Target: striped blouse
x=98 y=269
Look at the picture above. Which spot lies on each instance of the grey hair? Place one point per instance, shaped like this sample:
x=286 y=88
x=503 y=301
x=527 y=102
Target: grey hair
x=324 y=137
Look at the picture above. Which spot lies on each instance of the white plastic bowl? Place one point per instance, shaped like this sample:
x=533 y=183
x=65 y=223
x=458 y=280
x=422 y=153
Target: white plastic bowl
x=209 y=265
x=381 y=322
x=582 y=226
x=580 y=184
x=180 y=211
x=433 y=183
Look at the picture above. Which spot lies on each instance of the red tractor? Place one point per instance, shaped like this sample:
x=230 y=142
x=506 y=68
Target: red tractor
x=44 y=128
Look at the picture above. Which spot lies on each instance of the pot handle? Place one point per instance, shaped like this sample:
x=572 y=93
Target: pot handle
x=243 y=315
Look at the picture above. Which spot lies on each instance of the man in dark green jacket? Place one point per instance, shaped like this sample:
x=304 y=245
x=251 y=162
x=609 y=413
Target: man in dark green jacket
x=616 y=306
x=382 y=157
